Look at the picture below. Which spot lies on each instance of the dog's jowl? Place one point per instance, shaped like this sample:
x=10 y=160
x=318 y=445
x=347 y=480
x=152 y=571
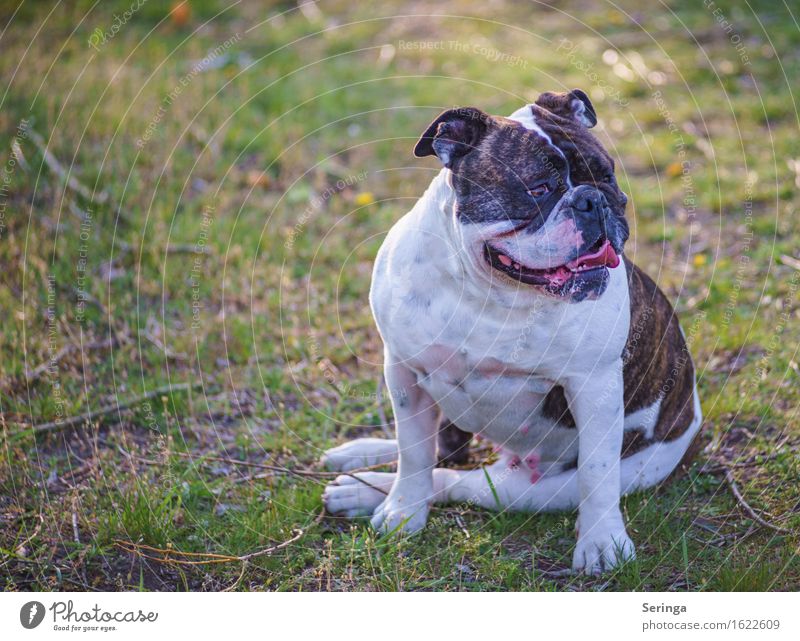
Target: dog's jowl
x=508 y=310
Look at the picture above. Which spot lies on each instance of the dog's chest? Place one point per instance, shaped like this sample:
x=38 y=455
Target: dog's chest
x=480 y=366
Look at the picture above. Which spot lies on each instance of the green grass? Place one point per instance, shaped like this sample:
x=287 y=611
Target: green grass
x=271 y=322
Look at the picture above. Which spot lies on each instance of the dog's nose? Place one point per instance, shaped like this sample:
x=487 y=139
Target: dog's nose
x=591 y=202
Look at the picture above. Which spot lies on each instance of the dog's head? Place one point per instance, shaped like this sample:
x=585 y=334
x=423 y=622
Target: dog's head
x=536 y=199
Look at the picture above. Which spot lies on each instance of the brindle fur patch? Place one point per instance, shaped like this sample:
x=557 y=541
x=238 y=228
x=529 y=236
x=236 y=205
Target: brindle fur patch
x=656 y=364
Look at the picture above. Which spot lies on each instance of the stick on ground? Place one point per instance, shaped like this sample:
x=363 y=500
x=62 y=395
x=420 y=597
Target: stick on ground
x=34 y=374
x=747 y=508
x=168 y=555
x=100 y=197
x=72 y=421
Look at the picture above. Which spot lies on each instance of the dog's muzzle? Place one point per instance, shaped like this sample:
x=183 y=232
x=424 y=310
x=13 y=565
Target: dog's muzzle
x=582 y=271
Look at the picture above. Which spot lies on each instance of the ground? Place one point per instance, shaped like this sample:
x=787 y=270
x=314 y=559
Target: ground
x=201 y=230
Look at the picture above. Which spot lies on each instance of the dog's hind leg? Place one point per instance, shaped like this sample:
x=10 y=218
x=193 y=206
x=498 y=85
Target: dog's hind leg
x=359 y=494
x=504 y=487
x=511 y=488
x=362 y=452
x=453 y=447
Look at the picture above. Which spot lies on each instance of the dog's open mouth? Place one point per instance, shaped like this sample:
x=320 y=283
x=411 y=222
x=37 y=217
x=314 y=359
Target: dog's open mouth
x=599 y=257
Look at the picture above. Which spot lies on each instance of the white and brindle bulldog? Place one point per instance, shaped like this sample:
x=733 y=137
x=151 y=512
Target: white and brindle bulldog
x=507 y=309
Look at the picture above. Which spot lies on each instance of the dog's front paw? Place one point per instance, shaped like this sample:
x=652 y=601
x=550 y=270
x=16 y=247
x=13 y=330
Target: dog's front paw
x=601 y=548
x=401 y=513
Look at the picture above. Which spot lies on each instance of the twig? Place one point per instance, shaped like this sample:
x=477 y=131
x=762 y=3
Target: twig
x=79 y=213
x=34 y=374
x=461 y=524
x=75 y=534
x=275 y=468
x=790 y=261
x=719 y=468
x=16 y=152
x=86 y=297
x=78 y=562
x=755 y=459
x=20 y=548
x=747 y=508
x=168 y=353
x=254 y=477
x=236 y=583
x=723 y=539
x=287 y=470
x=173 y=248
x=166 y=555
x=310 y=10
x=275 y=548
x=100 y=197
x=314 y=475
x=55 y=426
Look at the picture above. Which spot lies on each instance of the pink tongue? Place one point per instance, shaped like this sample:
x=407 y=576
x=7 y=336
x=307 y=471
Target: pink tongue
x=603 y=256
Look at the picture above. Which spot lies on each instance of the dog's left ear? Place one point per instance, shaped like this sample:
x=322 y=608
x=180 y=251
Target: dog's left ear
x=573 y=105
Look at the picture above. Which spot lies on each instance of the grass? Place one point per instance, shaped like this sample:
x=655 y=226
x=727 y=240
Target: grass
x=286 y=156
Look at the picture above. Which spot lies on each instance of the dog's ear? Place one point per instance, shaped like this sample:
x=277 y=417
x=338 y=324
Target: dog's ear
x=573 y=105
x=453 y=134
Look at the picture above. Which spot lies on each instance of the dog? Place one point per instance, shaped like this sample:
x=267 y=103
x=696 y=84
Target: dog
x=508 y=311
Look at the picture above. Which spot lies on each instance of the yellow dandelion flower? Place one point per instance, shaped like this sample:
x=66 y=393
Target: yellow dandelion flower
x=365 y=198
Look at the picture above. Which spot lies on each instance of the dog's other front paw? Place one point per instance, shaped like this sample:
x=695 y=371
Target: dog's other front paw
x=401 y=513
x=601 y=548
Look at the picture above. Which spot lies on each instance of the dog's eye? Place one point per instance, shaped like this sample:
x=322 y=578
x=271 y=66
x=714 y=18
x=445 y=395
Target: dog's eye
x=609 y=178
x=539 y=190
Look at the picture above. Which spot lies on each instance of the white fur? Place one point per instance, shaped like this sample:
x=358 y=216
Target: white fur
x=525 y=116
x=644 y=419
